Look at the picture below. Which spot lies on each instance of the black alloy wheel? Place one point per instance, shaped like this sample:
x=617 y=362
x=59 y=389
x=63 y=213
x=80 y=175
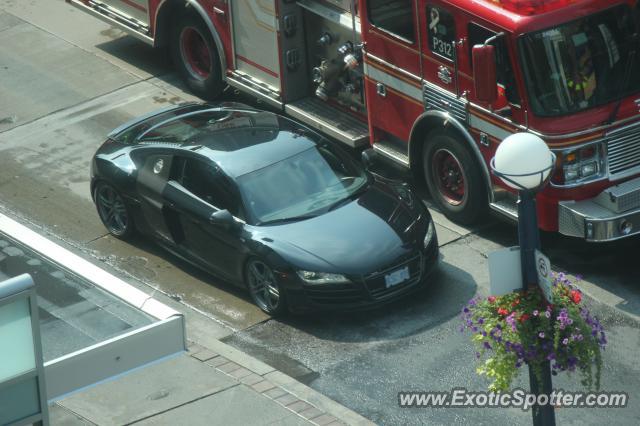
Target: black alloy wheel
x=264 y=288
x=113 y=211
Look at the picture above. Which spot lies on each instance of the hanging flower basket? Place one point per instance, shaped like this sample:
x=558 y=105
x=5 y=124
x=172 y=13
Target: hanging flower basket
x=521 y=328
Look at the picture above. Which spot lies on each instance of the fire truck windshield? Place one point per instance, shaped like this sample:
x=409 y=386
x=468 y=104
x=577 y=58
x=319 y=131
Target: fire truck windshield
x=582 y=64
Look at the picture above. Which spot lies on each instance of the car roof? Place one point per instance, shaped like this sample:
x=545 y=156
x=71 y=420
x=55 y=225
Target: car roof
x=238 y=140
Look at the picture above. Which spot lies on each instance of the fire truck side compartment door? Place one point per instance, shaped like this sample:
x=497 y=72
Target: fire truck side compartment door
x=255 y=40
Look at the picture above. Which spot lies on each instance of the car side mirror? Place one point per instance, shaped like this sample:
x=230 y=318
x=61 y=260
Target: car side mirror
x=485 y=78
x=222 y=218
x=369 y=158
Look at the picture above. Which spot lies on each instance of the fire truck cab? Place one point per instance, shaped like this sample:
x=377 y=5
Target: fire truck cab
x=434 y=85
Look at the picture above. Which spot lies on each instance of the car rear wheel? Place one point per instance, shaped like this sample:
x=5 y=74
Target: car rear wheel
x=113 y=211
x=264 y=288
x=196 y=57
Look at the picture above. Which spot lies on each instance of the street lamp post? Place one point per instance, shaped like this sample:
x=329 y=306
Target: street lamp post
x=524 y=162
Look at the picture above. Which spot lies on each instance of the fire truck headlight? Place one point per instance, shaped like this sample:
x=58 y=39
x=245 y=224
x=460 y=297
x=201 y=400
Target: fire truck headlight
x=580 y=165
x=589 y=169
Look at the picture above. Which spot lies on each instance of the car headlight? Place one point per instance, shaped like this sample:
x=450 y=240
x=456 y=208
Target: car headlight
x=311 y=277
x=428 y=237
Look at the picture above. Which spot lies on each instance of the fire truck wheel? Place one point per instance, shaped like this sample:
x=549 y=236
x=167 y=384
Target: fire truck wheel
x=194 y=54
x=454 y=178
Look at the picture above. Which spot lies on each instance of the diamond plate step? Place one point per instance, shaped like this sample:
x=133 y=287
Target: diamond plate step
x=327 y=119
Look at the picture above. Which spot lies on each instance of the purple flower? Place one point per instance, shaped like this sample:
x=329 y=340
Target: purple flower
x=487 y=345
x=535 y=313
x=541 y=334
x=480 y=320
x=511 y=320
x=565 y=341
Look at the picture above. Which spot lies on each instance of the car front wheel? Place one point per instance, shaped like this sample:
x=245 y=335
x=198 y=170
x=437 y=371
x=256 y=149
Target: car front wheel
x=264 y=288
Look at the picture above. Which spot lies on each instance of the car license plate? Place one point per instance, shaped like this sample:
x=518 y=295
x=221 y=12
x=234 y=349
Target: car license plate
x=396 y=277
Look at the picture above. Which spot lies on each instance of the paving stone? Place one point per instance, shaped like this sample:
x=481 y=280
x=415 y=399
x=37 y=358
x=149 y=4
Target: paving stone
x=287 y=399
x=228 y=367
x=275 y=393
x=251 y=379
x=310 y=413
x=217 y=361
x=241 y=372
x=299 y=406
x=324 y=420
x=263 y=386
x=204 y=355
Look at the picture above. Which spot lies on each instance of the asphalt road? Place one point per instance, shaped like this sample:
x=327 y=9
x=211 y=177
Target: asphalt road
x=63 y=87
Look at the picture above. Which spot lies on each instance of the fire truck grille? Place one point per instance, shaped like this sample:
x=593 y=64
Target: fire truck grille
x=439 y=99
x=623 y=148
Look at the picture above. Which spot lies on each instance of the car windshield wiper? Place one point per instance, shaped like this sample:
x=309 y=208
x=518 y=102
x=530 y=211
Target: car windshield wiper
x=287 y=219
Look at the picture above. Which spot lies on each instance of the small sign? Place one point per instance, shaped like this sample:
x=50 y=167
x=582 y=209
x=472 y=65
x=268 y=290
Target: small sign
x=505 y=273
x=543 y=267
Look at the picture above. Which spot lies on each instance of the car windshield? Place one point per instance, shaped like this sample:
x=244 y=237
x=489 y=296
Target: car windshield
x=304 y=185
x=583 y=63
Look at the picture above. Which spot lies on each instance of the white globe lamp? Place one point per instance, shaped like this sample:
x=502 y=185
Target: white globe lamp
x=523 y=161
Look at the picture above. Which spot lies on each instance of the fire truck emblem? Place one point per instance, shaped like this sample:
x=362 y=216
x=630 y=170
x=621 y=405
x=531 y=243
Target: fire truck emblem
x=444 y=74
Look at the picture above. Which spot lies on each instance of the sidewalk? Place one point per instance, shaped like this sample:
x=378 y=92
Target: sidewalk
x=211 y=383
x=205 y=386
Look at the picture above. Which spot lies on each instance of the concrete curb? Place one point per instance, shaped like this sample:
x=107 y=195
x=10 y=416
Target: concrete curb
x=598 y=297
x=277 y=386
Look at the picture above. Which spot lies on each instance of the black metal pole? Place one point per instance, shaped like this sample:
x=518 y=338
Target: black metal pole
x=529 y=238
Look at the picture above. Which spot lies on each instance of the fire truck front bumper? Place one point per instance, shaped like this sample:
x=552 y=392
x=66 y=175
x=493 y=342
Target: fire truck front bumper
x=612 y=215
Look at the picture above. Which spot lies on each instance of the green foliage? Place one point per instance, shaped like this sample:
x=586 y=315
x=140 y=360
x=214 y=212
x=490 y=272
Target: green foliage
x=521 y=328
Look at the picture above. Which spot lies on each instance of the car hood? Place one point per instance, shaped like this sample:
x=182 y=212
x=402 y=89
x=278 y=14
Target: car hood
x=360 y=237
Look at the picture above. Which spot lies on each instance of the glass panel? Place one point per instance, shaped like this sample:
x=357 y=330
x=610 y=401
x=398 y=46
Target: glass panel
x=315 y=180
x=442 y=32
x=16 y=340
x=73 y=312
x=583 y=63
x=395 y=16
x=19 y=401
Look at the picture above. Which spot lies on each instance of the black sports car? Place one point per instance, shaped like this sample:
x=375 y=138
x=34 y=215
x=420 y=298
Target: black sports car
x=266 y=203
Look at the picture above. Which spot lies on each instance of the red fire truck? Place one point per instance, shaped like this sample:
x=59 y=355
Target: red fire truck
x=434 y=85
